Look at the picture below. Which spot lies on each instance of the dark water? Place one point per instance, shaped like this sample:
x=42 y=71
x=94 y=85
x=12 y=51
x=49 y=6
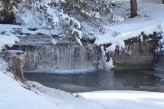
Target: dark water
x=103 y=80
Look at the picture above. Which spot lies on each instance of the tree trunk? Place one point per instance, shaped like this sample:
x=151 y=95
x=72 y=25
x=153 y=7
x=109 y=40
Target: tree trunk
x=133 y=4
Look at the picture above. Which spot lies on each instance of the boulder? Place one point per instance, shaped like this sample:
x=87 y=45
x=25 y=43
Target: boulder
x=135 y=56
x=16 y=59
x=138 y=54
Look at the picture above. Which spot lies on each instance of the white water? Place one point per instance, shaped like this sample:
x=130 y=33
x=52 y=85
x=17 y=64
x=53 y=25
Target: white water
x=50 y=58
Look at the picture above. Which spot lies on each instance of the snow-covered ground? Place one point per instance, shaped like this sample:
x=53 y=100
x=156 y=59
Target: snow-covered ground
x=127 y=99
x=16 y=95
x=32 y=95
x=150 y=19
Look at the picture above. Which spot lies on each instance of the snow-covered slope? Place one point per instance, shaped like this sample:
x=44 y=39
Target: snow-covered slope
x=150 y=19
x=16 y=95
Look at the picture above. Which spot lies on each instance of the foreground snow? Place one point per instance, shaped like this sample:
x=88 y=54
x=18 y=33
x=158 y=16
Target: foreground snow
x=127 y=99
x=15 y=95
x=32 y=95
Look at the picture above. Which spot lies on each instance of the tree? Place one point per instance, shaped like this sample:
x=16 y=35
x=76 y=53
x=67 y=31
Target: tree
x=133 y=5
x=6 y=13
x=64 y=14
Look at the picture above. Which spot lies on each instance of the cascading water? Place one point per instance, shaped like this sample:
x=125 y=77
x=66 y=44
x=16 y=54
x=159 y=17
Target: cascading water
x=52 y=58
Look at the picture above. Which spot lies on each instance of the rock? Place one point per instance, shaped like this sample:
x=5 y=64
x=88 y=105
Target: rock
x=17 y=59
x=136 y=55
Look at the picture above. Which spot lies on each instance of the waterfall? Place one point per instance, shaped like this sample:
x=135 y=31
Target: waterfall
x=51 y=58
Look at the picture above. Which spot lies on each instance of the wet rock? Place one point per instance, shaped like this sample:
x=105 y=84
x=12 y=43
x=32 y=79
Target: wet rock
x=136 y=55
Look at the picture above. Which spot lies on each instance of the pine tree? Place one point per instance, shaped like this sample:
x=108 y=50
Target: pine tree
x=6 y=12
x=53 y=14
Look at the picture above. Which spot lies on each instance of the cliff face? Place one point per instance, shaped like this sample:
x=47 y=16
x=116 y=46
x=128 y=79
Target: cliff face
x=138 y=54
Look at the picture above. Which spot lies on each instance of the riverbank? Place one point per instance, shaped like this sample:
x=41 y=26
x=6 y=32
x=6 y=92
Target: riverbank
x=127 y=99
x=16 y=95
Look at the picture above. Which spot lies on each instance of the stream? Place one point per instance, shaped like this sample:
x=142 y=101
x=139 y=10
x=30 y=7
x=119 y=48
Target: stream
x=142 y=80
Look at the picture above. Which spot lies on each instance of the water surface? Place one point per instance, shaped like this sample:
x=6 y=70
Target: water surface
x=148 y=80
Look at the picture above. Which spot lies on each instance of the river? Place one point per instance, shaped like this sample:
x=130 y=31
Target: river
x=142 y=80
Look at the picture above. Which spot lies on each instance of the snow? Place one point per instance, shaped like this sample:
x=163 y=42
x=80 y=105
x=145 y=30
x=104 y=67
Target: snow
x=77 y=33
x=117 y=19
x=150 y=20
x=31 y=95
x=79 y=41
x=6 y=36
x=70 y=20
x=18 y=29
x=7 y=40
x=91 y=14
x=129 y=31
x=53 y=41
x=126 y=99
x=16 y=95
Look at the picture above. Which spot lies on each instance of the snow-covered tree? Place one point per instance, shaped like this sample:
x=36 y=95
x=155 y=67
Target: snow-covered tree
x=47 y=14
x=91 y=11
x=6 y=11
x=61 y=16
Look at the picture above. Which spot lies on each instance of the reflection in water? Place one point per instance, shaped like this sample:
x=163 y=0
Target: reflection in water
x=102 y=80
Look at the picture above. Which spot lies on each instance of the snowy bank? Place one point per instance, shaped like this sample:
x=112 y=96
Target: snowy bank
x=149 y=20
x=16 y=95
x=127 y=99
